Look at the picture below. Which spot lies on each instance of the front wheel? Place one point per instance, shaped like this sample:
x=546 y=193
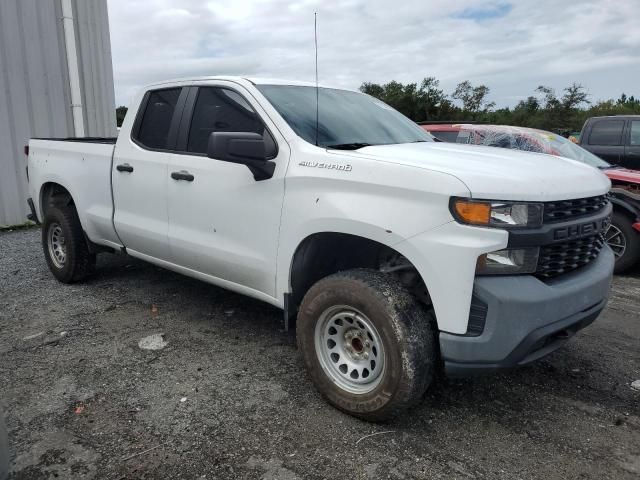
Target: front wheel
x=624 y=241
x=368 y=344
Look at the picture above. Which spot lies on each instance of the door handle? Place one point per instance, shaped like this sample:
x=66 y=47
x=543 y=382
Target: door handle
x=125 y=167
x=182 y=175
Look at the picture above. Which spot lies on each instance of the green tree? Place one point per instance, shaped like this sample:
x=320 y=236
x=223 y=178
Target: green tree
x=431 y=98
x=121 y=112
x=545 y=109
x=425 y=102
x=372 y=89
x=474 y=99
x=574 y=96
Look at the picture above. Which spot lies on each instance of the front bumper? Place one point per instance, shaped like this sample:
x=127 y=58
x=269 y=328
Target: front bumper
x=527 y=318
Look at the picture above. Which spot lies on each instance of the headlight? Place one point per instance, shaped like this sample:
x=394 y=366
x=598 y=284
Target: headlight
x=511 y=261
x=491 y=213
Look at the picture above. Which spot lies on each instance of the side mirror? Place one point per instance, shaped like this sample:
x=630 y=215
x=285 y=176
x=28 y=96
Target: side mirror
x=250 y=149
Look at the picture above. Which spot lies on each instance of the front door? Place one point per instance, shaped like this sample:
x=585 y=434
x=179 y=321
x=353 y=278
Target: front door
x=222 y=222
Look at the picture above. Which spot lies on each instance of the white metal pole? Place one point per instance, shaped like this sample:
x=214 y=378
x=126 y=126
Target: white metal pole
x=72 y=65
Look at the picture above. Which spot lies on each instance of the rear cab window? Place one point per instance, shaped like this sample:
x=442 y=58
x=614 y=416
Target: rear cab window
x=606 y=132
x=153 y=127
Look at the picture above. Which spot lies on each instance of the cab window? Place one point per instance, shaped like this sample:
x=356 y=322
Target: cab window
x=635 y=133
x=606 y=132
x=220 y=110
x=153 y=131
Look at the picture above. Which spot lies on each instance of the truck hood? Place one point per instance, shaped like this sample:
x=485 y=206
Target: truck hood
x=497 y=173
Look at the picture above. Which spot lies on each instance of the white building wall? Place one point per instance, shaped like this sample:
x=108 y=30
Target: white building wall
x=35 y=98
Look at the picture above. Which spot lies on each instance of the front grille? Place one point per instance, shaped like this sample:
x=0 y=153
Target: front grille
x=564 y=257
x=564 y=210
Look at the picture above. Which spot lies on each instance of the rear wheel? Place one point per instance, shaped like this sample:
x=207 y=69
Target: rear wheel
x=624 y=241
x=368 y=344
x=64 y=245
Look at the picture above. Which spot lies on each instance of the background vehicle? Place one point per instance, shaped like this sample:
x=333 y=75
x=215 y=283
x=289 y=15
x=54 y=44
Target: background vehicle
x=383 y=242
x=623 y=235
x=614 y=139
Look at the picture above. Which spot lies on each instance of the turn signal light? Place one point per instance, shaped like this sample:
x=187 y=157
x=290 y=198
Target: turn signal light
x=474 y=213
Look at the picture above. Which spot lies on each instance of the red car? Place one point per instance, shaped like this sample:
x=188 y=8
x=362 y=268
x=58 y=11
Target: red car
x=623 y=235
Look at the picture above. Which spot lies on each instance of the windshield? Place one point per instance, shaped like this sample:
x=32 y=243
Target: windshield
x=346 y=119
x=522 y=138
x=566 y=148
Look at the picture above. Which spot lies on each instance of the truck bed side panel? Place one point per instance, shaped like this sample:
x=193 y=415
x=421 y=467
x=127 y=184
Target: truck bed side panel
x=84 y=169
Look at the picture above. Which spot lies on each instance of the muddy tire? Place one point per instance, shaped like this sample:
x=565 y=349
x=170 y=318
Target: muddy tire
x=65 y=247
x=368 y=344
x=624 y=241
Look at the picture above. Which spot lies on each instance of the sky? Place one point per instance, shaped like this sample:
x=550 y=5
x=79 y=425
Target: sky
x=510 y=46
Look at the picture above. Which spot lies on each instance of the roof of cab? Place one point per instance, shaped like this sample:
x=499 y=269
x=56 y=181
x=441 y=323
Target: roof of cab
x=239 y=79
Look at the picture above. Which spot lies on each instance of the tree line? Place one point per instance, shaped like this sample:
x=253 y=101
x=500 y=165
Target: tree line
x=545 y=109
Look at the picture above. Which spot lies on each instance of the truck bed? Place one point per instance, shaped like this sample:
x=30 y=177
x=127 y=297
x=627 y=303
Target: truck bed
x=82 y=166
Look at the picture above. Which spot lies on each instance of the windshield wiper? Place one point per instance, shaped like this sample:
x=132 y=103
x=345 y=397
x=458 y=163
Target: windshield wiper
x=348 y=146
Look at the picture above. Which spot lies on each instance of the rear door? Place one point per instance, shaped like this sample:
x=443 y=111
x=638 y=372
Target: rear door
x=632 y=148
x=222 y=222
x=605 y=139
x=140 y=175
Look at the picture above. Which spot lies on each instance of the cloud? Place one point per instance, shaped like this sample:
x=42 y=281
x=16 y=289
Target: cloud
x=510 y=47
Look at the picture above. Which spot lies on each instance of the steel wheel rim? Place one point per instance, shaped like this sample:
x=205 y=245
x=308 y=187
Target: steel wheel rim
x=349 y=349
x=57 y=245
x=616 y=240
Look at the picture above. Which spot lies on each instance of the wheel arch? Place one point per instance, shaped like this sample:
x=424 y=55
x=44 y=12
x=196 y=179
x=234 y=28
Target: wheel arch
x=53 y=193
x=321 y=254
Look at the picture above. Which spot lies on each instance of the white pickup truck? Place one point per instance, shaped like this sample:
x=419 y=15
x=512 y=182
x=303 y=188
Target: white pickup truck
x=396 y=255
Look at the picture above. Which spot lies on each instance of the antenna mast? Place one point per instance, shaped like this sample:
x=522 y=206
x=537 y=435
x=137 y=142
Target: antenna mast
x=315 y=35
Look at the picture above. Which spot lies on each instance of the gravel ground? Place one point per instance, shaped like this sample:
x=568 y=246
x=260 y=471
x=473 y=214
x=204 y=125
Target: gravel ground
x=227 y=397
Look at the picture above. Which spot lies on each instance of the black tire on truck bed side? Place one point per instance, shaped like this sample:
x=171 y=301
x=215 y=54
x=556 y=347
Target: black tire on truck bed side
x=65 y=247
x=396 y=330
